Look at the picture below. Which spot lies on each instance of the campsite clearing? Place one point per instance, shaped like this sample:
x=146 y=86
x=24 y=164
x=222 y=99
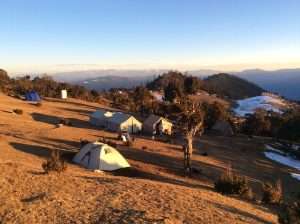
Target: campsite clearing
x=154 y=189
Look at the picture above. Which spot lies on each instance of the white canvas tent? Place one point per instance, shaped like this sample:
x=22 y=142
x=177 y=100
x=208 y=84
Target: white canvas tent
x=115 y=121
x=124 y=122
x=157 y=125
x=100 y=156
x=100 y=117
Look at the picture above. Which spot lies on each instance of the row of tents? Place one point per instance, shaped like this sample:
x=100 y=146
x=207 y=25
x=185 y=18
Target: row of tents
x=119 y=121
x=100 y=156
x=154 y=125
x=33 y=96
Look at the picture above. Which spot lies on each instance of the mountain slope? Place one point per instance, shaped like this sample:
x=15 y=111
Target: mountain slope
x=232 y=86
x=158 y=193
x=286 y=82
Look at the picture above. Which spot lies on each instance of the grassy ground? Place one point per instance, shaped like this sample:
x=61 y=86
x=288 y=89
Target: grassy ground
x=153 y=190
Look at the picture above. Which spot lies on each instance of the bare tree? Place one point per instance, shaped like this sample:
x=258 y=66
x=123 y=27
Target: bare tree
x=191 y=121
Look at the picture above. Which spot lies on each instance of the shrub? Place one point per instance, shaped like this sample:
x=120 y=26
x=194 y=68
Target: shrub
x=272 y=193
x=230 y=183
x=290 y=213
x=18 y=111
x=54 y=163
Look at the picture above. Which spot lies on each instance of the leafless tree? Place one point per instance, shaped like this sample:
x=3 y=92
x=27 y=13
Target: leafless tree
x=191 y=121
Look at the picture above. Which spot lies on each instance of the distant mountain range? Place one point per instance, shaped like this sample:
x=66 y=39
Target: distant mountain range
x=286 y=82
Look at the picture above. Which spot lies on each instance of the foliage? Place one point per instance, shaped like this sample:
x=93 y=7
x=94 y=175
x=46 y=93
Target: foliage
x=172 y=92
x=54 y=163
x=231 y=86
x=231 y=183
x=224 y=85
x=192 y=84
x=162 y=81
x=213 y=112
x=191 y=122
x=4 y=80
x=283 y=126
x=290 y=213
x=46 y=87
x=142 y=100
x=290 y=129
x=257 y=124
x=272 y=193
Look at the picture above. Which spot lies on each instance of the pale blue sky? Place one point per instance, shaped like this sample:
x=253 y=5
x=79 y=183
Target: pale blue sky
x=181 y=34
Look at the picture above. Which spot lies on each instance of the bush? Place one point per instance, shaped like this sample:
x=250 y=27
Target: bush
x=18 y=111
x=230 y=183
x=290 y=213
x=272 y=193
x=54 y=163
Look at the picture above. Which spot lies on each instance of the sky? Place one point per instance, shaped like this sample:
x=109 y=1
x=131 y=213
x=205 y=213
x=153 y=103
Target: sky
x=65 y=35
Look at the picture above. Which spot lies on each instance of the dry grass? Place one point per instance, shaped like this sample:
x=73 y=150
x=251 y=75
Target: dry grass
x=272 y=193
x=158 y=192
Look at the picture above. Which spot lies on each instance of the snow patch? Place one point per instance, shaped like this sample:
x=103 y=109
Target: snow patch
x=268 y=147
x=286 y=160
x=249 y=105
x=296 y=175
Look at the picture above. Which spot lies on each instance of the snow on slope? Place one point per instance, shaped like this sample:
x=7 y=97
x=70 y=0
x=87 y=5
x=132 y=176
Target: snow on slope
x=295 y=175
x=249 y=105
x=268 y=147
x=286 y=160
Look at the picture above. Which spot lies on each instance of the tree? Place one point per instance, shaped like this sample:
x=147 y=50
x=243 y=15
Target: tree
x=257 y=124
x=192 y=84
x=290 y=129
x=214 y=112
x=191 y=121
x=173 y=92
x=4 y=80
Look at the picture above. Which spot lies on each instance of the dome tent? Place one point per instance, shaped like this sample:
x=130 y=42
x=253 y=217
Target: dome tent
x=223 y=128
x=32 y=96
x=100 y=156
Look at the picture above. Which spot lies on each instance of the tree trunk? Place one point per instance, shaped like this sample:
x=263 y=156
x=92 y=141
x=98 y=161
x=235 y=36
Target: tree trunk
x=188 y=151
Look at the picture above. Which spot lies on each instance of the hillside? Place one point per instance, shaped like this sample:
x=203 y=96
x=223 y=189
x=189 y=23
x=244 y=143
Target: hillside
x=284 y=82
x=153 y=191
x=232 y=86
x=224 y=85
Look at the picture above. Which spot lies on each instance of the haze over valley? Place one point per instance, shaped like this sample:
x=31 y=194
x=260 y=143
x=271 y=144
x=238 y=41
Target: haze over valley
x=285 y=82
